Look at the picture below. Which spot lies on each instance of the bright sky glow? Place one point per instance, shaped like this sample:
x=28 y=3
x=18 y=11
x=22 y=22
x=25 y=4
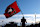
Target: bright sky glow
x=30 y=18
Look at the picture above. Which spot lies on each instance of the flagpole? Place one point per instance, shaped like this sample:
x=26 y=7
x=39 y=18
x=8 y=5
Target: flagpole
x=20 y=9
x=35 y=18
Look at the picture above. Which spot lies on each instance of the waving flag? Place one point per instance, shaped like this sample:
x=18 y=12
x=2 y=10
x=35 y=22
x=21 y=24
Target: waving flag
x=11 y=10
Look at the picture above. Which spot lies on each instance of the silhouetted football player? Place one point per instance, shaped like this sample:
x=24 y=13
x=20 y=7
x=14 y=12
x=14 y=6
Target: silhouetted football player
x=23 y=20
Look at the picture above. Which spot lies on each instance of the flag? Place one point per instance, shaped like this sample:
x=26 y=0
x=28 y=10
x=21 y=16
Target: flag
x=11 y=10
